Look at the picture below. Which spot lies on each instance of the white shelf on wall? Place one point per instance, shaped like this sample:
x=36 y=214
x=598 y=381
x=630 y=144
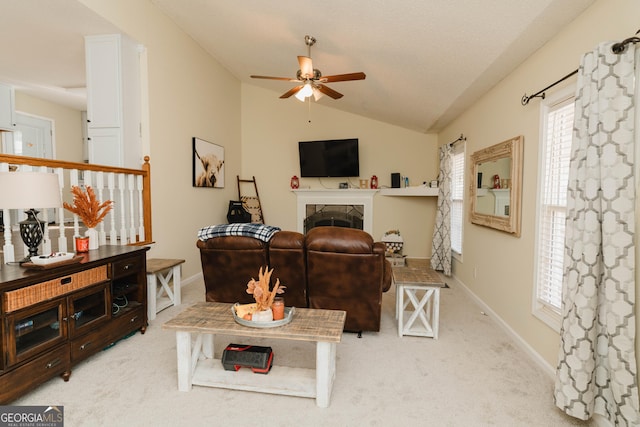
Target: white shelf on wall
x=418 y=191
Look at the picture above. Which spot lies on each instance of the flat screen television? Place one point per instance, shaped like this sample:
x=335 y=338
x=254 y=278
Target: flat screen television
x=329 y=158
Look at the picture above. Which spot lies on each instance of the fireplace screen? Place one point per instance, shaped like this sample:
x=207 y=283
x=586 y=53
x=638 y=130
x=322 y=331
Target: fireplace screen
x=349 y=216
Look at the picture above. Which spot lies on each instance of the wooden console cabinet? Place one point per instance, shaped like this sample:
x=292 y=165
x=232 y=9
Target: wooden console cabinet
x=54 y=318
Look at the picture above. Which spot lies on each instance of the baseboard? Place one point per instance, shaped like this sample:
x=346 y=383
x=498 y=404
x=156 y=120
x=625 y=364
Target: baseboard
x=195 y=278
x=535 y=356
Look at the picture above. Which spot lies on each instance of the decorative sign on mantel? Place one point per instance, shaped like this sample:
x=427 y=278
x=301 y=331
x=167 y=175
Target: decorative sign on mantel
x=359 y=197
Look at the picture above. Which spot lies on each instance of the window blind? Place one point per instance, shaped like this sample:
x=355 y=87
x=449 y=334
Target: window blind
x=553 y=204
x=457 y=196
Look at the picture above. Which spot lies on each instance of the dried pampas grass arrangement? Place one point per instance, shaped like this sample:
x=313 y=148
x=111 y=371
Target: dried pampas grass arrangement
x=260 y=289
x=87 y=206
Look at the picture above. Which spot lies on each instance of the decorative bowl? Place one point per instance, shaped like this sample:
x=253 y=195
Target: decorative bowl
x=288 y=316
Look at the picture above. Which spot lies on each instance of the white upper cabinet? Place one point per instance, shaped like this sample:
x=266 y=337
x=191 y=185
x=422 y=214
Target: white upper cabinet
x=104 y=81
x=113 y=101
x=7 y=107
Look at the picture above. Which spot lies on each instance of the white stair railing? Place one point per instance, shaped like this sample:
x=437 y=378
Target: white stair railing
x=129 y=222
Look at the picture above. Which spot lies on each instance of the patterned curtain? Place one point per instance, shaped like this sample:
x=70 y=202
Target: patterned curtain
x=596 y=372
x=441 y=242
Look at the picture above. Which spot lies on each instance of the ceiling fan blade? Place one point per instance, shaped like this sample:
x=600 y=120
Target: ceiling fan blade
x=291 y=92
x=286 y=79
x=306 y=66
x=343 y=77
x=329 y=92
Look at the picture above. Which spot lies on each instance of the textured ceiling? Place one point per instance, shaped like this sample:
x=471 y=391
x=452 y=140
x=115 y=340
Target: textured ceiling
x=426 y=61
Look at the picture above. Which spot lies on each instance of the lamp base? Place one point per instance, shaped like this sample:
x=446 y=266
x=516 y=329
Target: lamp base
x=31 y=231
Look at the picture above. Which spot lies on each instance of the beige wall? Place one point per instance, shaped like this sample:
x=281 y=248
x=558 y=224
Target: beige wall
x=190 y=95
x=504 y=264
x=271 y=129
x=67 y=124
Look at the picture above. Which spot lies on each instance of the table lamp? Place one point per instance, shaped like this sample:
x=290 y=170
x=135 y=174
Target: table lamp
x=30 y=190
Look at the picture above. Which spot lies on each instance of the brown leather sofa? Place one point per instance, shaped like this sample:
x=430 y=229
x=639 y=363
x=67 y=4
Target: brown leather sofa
x=331 y=268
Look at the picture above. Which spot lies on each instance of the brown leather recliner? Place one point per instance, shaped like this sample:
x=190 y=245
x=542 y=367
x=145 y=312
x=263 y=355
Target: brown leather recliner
x=228 y=263
x=288 y=260
x=347 y=270
x=331 y=268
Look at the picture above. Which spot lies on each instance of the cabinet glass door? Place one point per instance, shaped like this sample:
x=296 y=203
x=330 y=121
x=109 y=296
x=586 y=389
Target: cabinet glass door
x=33 y=330
x=87 y=309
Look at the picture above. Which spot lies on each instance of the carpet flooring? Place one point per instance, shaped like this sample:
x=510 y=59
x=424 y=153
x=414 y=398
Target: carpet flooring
x=473 y=375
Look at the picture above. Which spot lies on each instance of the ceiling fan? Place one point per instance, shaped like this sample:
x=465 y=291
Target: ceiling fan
x=311 y=79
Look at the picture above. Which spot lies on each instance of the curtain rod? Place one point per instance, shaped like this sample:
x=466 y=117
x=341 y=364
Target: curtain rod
x=617 y=48
x=460 y=138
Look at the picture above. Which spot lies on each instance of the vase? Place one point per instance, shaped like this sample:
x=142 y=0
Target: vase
x=92 y=234
x=262 y=316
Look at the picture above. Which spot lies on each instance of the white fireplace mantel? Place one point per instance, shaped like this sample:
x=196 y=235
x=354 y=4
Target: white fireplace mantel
x=336 y=197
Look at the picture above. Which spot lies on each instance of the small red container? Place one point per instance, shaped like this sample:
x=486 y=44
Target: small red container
x=277 y=308
x=82 y=244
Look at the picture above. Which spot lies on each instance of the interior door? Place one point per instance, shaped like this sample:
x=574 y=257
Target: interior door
x=32 y=137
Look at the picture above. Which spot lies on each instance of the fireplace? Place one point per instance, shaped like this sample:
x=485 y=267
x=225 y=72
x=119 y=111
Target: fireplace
x=351 y=208
x=349 y=216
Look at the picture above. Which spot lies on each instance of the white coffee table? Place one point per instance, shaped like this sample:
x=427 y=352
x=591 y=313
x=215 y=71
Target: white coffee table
x=204 y=320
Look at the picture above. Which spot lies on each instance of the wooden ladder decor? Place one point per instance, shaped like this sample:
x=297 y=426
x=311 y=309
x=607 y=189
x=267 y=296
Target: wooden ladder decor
x=251 y=201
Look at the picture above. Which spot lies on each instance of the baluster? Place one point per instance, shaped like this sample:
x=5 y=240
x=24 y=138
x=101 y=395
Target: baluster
x=73 y=181
x=8 y=250
x=102 y=235
x=86 y=179
x=46 y=240
x=132 y=225
x=123 y=228
x=141 y=236
x=113 y=233
x=62 y=238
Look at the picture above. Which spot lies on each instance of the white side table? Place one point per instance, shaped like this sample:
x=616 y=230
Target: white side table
x=418 y=297
x=159 y=298
x=425 y=302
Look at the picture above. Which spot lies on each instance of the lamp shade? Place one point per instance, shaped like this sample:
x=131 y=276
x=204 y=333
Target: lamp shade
x=27 y=190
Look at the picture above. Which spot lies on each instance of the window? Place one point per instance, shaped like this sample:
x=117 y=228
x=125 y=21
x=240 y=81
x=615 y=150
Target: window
x=553 y=178
x=457 y=193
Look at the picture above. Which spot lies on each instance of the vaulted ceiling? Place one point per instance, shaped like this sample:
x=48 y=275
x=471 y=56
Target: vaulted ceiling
x=426 y=61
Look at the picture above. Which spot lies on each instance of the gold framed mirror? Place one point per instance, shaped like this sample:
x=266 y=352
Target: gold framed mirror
x=496 y=186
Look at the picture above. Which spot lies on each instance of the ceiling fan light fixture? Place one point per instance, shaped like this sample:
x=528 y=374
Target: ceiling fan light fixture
x=317 y=94
x=305 y=92
x=310 y=80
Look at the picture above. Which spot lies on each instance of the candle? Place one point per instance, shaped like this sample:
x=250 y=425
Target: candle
x=278 y=308
x=82 y=244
